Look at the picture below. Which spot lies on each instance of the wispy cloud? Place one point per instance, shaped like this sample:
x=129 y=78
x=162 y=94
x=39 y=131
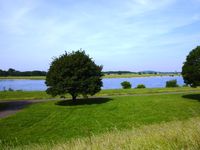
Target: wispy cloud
x=115 y=33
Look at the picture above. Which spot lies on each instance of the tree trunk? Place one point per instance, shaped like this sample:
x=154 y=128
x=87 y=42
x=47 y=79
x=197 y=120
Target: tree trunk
x=74 y=98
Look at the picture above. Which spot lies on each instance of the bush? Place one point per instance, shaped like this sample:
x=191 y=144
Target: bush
x=140 y=86
x=10 y=89
x=171 y=83
x=126 y=85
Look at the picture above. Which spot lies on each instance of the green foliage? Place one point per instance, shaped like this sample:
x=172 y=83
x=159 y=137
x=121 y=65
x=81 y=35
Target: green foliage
x=15 y=73
x=126 y=85
x=171 y=83
x=140 y=86
x=191 y=68
x=10 y=89
x=74 y=73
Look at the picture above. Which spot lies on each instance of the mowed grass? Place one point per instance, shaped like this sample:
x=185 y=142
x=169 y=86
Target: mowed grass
x=175 y=135
x=57 y=121
x=23 y=95
x=115 y=92
x=30 y=95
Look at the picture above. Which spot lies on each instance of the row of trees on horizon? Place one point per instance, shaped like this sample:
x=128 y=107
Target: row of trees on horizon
x=13 y=72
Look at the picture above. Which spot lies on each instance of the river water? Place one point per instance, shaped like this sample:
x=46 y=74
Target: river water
x=113 y=83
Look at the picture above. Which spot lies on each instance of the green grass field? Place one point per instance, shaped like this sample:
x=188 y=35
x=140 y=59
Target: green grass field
x=59 y=121
x=30 y=95
x=174 y=135
x=23 y=95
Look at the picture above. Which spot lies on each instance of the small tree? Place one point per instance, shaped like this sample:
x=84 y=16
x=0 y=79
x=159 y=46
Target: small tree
x=126 y=85
x=74 y=73
x=191 y=68
x=171 y=83
x=140 y=86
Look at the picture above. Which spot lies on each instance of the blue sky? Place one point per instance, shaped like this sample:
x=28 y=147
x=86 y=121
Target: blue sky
x=130 y=35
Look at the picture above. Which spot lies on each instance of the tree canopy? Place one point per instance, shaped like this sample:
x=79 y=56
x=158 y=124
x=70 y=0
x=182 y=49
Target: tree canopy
x=191 y=68
x=74 y=73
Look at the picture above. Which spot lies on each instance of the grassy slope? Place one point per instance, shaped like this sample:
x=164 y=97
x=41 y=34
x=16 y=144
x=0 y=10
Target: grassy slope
x=165 y=136
x=26 y=95
x=105 y=76
x=45 y=122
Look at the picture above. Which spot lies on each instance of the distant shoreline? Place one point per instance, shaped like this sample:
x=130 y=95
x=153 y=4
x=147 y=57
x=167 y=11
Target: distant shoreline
x=105 y=76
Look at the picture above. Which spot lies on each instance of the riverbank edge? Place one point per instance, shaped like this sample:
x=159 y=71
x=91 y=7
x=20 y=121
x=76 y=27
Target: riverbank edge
x=32 y=95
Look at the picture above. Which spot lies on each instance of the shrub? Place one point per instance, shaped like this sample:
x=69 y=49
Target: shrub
x=140 y=86
x=126 y=85
x=171 y=83
x=10 y=89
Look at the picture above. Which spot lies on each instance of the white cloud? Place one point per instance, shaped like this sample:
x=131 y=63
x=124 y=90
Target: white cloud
x=14 y=14
x=136 y=7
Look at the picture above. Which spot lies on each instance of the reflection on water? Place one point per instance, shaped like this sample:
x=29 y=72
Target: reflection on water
x=115 y=83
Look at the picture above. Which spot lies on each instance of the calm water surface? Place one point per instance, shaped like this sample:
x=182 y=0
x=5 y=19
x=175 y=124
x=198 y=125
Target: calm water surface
x=114 y=83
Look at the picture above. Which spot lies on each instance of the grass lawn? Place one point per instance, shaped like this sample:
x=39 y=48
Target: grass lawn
x=29 y=95
x=60 y=120
x=174 y=135
x=23 y=95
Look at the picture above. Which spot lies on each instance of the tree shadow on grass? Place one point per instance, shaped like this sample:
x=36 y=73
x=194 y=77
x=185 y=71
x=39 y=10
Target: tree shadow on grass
x=13 y=105
x=89 y=101
x=192 y=97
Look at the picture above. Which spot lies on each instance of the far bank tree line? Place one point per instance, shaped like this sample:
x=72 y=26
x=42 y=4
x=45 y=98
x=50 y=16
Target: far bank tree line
x=140 y=72
x=13 y=72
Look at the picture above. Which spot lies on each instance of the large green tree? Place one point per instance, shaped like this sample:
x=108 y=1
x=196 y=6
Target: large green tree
x=191 y=68
x=74 y=73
